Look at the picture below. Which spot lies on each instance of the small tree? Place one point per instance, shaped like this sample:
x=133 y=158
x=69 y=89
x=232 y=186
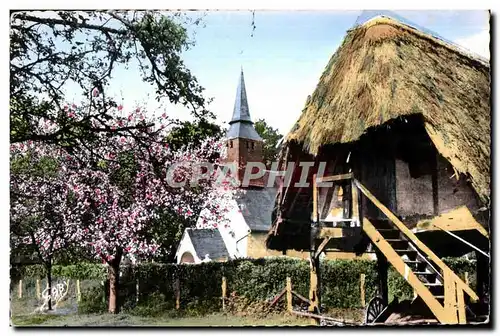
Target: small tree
x=271 y=137
x=44 y=211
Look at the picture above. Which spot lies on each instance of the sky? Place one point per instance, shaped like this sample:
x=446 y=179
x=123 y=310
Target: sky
x=283 y=60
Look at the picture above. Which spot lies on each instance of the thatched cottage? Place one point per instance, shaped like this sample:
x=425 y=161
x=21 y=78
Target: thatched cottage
x=402 y=120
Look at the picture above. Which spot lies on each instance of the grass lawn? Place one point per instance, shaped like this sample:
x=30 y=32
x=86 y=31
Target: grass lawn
x=108 y=320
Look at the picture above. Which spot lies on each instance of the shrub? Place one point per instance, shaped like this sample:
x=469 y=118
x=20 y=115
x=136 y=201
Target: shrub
x=93 y=301
x=155 y=305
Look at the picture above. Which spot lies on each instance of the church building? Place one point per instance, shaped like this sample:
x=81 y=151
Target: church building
x=249 y=222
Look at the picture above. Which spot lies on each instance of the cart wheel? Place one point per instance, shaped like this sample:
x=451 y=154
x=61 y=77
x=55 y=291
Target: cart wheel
x=373 y=310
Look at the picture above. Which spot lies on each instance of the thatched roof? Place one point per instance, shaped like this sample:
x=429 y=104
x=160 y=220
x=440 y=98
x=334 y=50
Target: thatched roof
x=384 y=70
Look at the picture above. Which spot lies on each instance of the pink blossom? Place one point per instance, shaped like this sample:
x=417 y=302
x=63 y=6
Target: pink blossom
x=95 y=92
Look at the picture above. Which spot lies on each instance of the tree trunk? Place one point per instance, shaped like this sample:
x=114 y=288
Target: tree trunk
x=114 y=277
x=49 y=283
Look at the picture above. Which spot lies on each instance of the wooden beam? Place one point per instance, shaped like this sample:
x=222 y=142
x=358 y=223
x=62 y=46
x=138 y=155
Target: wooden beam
x=355 y=203
x=278 y=297
x=454 y=220
x=314 y=287
x=300 y=297
x=334 y=178
x=330 y=233
x=321 y=246
x=39 y=293
x=413 y=238
x=315 y=200
x=320 y=317
x=450 y=297
x=78 y=290
x=461 y=306
x=362 y=290
x=224 y=292
x=289 y=304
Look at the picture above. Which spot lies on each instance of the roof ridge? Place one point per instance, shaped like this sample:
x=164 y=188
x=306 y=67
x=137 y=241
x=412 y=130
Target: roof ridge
x=384 y=19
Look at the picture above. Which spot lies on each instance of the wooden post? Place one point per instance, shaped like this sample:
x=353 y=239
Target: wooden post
x=482 y=275
x=462 y=319
x=289 y=305
x=314 y=289
x=177 y=289
x=362 y=290
x=224 y=292
x=38 y=293
x=466 y=278
x=314 y=285
x=315 y=200
x=450 y=298
x=103 y=284
x=20 y=293
x=355 y=203
x=137 y=290
x=78 y=291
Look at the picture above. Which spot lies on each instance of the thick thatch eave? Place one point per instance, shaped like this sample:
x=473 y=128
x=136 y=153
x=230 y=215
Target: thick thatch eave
x=384 y=70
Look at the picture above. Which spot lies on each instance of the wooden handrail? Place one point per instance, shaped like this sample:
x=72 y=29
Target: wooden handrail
x=408 y=233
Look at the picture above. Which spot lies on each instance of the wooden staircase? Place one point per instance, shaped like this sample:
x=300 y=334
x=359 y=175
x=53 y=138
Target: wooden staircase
x=433 y=281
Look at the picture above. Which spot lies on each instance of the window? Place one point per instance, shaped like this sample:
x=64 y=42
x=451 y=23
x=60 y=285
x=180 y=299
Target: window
x=231 y=143
x=253 y=145
x=248 y=145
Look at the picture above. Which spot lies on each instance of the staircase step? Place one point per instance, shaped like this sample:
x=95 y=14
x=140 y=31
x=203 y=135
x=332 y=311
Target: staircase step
x=398 y=244
x=390 y=233
x=435 y=289
x=429 y=277
x=416 y=265
x=412 y=254
x=424 y=273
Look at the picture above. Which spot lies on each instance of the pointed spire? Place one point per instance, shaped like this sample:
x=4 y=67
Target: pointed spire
x=241 y=112
x=241 y=125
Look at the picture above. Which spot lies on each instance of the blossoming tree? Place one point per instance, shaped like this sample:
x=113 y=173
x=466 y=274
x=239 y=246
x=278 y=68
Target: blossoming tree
x=109 y=218
x=44 y=211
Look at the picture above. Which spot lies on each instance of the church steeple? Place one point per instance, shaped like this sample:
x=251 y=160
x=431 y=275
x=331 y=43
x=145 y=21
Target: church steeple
x=241 y=125
x=243 y=142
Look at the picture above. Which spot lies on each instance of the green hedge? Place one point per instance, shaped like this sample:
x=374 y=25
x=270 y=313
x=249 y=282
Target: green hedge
x=78 y=271
x=255 y=279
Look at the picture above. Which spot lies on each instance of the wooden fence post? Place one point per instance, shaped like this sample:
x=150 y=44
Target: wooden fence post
x=289 y=305
x=224 y=292
x=137 y=290
x=38 y=293
x=20 y=293
x=466 y=278
x=177 y=289
x=103 y=284
x=362 y=290
x=78 y=291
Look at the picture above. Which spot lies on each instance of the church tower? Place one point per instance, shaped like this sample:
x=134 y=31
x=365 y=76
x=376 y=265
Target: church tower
x=243 y=142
